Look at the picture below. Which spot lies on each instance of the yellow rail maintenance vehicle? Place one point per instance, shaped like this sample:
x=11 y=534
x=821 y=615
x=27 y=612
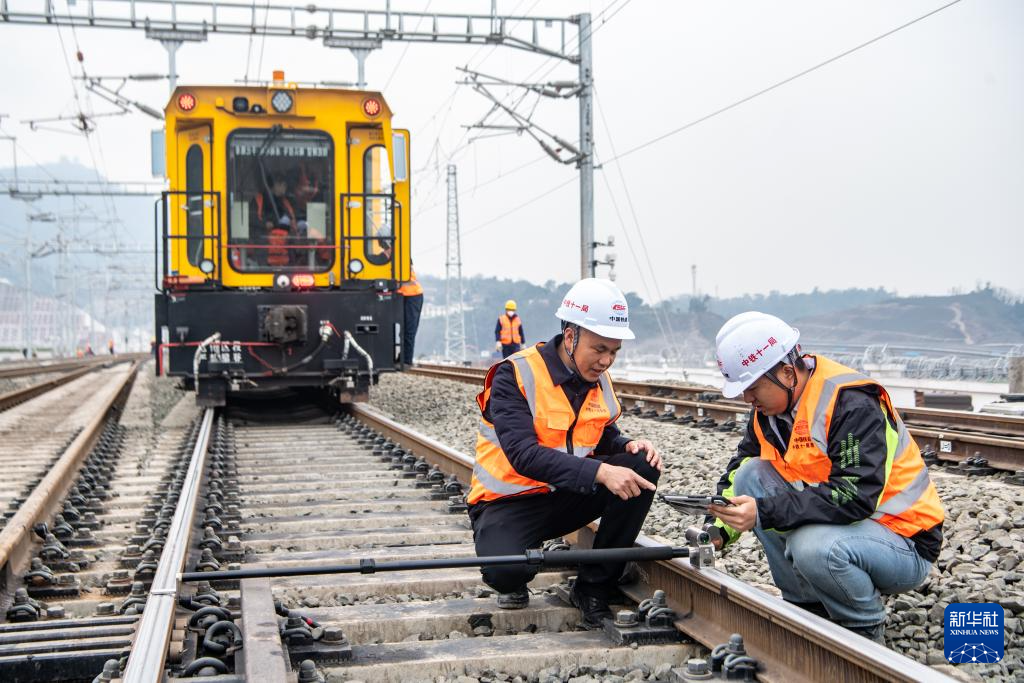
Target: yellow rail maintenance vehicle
x=282 y=239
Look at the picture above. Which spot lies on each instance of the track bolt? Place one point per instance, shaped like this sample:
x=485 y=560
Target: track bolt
x=626 y=618
x=697 y=670
x=333 y=634
x=111 y=670
x=308 y=672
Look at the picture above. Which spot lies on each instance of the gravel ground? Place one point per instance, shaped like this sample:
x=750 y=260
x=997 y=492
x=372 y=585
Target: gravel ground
x=982 y=558
x=12 y=384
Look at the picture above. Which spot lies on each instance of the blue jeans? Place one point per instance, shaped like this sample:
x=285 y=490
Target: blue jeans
x=846 y=567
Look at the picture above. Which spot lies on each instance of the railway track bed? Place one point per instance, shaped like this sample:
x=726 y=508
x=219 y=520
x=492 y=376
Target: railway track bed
x=981 y=560
x=234 y=492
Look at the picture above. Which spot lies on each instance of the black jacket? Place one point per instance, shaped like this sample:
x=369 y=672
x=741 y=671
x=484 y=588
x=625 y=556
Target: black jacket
x=857 y=448
x=510 y=414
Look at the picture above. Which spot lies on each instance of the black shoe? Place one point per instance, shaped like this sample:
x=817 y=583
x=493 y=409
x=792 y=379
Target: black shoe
x=593 y=610
x=875 y=632
x=514 y=600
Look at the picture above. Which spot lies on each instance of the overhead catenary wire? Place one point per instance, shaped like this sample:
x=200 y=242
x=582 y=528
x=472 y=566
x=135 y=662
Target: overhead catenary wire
x=508 y=212
x=671 y=336
x=405 y=49
x=778 y=84
x=551 y=62
x=722 y=110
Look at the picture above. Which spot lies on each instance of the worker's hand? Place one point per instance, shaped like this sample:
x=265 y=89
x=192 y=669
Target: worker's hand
x=741 y=516
x=622 y=481
x=653 y=456
x=497 y=346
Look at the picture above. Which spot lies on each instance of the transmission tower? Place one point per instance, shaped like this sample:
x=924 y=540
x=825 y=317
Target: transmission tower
x=455 y=317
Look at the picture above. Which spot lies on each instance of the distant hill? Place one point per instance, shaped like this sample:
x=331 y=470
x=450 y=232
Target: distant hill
x=986 y=320
x=982 y=317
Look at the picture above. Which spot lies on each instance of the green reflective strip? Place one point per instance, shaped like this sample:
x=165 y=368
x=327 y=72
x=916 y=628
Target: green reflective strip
x=892 y=440
x=730 y=492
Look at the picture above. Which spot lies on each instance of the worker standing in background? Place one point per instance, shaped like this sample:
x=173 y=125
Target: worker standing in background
x=412 y=297
x=508 y=333
x=827 y=476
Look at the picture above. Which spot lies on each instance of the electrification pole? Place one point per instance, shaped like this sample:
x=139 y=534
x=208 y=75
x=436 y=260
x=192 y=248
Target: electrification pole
x=588 y=264
x=454 y=305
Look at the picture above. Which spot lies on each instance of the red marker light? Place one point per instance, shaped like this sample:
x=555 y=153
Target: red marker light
x=186 y=101
x=371 y=106
x=302 y=281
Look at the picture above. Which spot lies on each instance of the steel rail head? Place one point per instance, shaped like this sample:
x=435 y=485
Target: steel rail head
x=153 y=637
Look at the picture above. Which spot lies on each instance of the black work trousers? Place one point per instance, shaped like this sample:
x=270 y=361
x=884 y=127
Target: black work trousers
x=509 y=526
x=412 y=306
x=508 y=349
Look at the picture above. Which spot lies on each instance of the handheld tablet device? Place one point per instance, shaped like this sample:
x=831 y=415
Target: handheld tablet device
x=697 y=505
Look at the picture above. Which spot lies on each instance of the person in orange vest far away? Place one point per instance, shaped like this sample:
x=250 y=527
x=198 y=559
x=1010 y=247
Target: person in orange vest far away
x=827 y=476
x=549 y=458
x=110 y=346
x=412 y=295
x=509 y=336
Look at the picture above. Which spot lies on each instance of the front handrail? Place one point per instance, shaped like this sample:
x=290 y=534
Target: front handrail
x=398 y=246
x=163 y=239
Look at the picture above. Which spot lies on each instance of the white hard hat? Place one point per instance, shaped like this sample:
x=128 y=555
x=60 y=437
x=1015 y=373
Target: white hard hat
x=597 y=305
x=749 y=345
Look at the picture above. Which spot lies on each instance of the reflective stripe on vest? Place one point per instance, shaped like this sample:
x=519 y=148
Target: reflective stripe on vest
x=510 y=330
x=909 y=502
x=493 y=475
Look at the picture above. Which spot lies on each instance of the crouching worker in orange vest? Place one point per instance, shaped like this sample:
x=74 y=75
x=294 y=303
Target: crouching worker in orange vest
x=827 y=476
x=549 y=458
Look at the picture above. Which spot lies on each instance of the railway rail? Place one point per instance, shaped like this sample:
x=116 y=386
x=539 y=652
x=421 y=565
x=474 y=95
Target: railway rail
x=947 y=435
x=23 y=369
x=229 y=492
x=64 y=372
x=154 y=521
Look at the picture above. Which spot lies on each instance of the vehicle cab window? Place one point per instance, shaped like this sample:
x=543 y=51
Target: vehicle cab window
x=280 y=213
x=378 y=188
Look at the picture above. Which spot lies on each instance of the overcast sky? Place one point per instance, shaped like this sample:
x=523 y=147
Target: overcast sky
x=900 y=165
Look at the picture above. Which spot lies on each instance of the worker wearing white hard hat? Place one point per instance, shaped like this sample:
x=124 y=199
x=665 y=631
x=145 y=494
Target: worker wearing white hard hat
x=827 y=476
x=549 y=457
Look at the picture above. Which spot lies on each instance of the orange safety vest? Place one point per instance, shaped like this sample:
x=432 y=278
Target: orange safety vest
x=909 y=502
x=510 y=329
x=412 y=286
x=553 y=422
x=277 y=254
